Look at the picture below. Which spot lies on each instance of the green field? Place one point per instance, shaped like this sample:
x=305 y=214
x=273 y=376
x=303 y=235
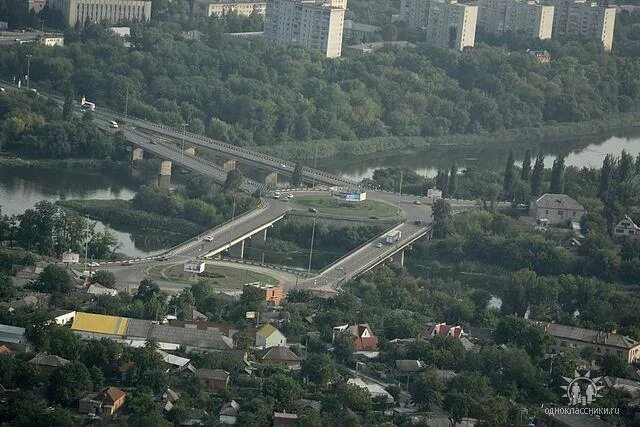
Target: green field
x=219 y=276
x=333 y=206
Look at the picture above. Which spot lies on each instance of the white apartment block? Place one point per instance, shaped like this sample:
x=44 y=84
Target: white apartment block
x=112 y=11
x=451 y=24
x=312 y=24
x=529 y=17
x=216 y=8
x=415 y=12
x=584 y=19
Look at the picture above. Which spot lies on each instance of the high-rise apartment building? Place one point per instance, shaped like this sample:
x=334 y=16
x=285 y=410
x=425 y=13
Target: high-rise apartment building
x=528 y=17
x=415 y=12
x=451 y=24
x=584 y=19
x=112 y=11
x=313 y=24
x=221 y=8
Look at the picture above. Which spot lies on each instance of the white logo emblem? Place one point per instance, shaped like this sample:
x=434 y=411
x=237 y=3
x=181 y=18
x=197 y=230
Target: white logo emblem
x=582 y=390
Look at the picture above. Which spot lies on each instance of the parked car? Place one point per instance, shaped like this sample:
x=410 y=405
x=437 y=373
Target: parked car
x=417 y=202
x=94 y=264
x=378 y=245
x=126 y=263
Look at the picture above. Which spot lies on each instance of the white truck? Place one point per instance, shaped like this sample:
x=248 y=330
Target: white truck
x=392 y=238
x=86 y=105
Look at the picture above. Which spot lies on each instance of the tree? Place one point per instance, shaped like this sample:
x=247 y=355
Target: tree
x=282 y=388
x=606 y=177
x=53 y=279
x=625 y=167
x=105 y=278
x=233 y=181
x=354 y=397
x=453 y=180
x=509 y=176
x=296 y=178
x=525 y=174
x=319 y=368
x=441 y=213
x=67 y=109
x=7 y=288
x=426 y=390
x=68 y=383
x=343 y=347
x=557 y=176
x=256 y=413
x=147 y=290
x=537 y=175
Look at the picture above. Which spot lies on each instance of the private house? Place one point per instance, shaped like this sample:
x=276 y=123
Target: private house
x=570 y=337
x=279 y=356
x=62 y=317
x=194 y=417
x=284 y=419
x=167 y=398
x=375 y=390
x=269 y=336
x=106 y=402
x=135 y=332
x=47 y=363
x=229 y=413
x=14 y=337
x=213 y=379
x=556 y=209
x=6 y=351
x=98 y=290
x=626 y=228
x=225 y=329
x=628 y=386
x=444 y=330
x=176 y=363
x=541 y=56
x=409 y=366
x=363 y=337
x=272 y=294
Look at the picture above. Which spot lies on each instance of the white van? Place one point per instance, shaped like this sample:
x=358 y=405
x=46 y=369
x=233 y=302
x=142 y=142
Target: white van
x=113 y=124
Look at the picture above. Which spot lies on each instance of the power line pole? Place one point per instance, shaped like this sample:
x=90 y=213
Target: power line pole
x=28 y=70
x=315 y=160
x=184 y=131
x=126 y=103
x=400 y=192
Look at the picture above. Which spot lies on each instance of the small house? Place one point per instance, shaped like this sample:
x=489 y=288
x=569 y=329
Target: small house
x=213 y=379
x=556 y=208
x=284 y=419
x=107 y=401
x=444 y=330
x=626 y=228
x=269 y=336
x=229 y=413
x=279 y=356
x=47 y=363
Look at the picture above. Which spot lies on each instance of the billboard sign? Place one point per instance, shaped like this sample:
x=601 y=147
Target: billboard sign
x=196 y=267
x=70 y=257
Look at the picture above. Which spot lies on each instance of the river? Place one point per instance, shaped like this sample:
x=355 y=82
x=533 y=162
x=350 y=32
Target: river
x=22 y=187
x=589 y=153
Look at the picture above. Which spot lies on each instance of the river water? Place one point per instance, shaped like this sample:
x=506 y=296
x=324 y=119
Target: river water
x=22 y=187
x=588 y=153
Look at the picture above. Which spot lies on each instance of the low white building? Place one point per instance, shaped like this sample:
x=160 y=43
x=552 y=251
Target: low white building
x=375 y=390
x=556 y=209
x=62 y=317
x=51 y=40
x=269 y=336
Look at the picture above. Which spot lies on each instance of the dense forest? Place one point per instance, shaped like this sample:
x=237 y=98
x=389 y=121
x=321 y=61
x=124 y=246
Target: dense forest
x=265 y=95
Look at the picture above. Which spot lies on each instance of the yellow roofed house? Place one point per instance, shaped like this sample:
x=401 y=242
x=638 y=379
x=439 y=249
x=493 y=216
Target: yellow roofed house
x=269 y=336
x=92 y=325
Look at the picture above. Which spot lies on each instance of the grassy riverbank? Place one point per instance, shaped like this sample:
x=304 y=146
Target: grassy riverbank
x=329 y=148
x=121 y=213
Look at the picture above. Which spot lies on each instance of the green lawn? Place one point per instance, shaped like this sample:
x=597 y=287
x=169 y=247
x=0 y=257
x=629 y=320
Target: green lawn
x=333 y=206
x=219 y=276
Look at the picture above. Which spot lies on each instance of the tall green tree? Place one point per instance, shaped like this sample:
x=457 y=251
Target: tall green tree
x=233 y=181
x=525 y=174
x=606 y=177
x=509 y=176
x=537 y=175
x=441 y=213
x=453 y=180
x=53 y=279
x=426 y=390
x=296 y=177
x=67 y=109
x=625 y=167
x=557 y=176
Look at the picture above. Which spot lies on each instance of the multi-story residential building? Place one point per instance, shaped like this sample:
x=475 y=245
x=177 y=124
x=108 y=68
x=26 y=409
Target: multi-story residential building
x=415 y=12
x=112 y=11
x=585 y=19
x=313 y=24
x=451 y=24
x=221 y=8
x=529 y=17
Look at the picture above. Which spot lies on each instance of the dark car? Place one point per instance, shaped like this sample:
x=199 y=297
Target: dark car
x=313 y=210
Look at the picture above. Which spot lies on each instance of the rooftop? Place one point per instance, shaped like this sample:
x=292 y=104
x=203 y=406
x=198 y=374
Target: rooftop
x=212 y=374
x=49 y=360
x=266 y=330
x=99 y=323
x=558 y=201
x=278 y=353
x=589 y=335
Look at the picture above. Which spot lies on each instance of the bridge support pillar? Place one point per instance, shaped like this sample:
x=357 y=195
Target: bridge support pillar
x=165 y=168
x=259 y=239
x=191 y=151
x=398 y=258
x=229 y=165
x=271 y=180
x=136 y=154
x=237 y=250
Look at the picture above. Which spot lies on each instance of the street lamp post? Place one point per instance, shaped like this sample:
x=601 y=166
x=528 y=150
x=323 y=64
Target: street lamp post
x=184 y=131
x=313 y=233
x=28 y=70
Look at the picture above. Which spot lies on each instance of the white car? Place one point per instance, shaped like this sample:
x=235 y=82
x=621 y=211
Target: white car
x=378 y=245
x=113 y=124
x=209 y=239
x=94 y=264
x=290 y=196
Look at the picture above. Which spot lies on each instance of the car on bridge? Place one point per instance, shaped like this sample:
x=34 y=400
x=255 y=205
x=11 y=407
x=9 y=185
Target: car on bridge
x=208 y=238
x=378 y=245
x=126 y=263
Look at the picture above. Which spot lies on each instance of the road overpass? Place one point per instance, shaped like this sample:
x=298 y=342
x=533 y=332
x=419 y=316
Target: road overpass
x=228 y=151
